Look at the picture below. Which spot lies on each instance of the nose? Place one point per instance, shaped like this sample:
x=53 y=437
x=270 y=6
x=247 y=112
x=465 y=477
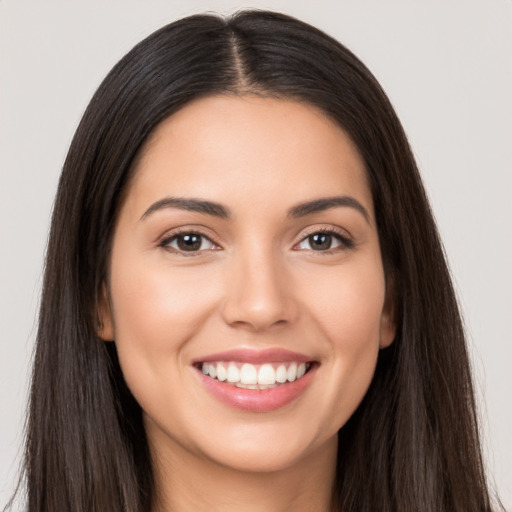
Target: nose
x=259 y=292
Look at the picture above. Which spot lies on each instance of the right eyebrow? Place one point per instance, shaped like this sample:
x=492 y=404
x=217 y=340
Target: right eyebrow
x=189 y=204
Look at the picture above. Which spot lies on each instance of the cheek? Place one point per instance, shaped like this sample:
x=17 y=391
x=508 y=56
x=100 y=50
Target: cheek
x=348 y=312
x=156 y=311
x=348 y=305
x=157 y=303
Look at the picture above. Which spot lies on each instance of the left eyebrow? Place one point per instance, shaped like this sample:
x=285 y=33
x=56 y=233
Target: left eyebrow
x=326 y=203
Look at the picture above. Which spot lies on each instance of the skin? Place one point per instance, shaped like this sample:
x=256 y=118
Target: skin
x=256 y=283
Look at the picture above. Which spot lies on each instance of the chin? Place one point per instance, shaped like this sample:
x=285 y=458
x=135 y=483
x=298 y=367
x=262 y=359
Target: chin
x=262 y=459
x=269 y=449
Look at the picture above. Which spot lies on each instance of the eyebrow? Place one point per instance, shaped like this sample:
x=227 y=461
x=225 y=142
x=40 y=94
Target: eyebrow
x=189 y=204
x=326 y=203
x=218 y=210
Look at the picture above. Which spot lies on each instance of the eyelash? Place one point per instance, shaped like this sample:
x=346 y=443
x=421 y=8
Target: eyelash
x=168 y=239
x=345 y=241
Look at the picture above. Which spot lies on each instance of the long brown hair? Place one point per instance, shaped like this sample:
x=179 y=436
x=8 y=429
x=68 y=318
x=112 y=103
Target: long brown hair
x=412 y=445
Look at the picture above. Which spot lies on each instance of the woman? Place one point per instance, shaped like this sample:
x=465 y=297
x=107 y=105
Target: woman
x=246 y=302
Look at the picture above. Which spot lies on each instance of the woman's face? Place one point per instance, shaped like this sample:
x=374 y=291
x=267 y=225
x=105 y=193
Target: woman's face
x=247 y=249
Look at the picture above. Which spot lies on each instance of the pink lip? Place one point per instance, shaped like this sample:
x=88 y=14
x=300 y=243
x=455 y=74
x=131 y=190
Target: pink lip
x=273 y=355
x=256 y=400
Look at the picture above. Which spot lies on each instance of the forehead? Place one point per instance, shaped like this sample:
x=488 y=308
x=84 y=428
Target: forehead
x=249 y=146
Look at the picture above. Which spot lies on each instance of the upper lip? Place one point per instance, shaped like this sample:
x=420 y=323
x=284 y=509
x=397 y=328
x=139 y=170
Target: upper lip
x=244 y=355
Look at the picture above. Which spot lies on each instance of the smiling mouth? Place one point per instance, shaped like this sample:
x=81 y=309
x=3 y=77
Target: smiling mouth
x=255 y=376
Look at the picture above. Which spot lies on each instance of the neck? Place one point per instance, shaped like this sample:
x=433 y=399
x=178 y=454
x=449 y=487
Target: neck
x=185 y=482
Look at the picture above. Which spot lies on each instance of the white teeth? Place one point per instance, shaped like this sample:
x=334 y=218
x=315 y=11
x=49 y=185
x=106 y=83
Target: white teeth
x=266 y=375
x=222 y=374
x=251 y=376
x=281 y=374
x=291 y=374
x=248 y=374
x=233 y=374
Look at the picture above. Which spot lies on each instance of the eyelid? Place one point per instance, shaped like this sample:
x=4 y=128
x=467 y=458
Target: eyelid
x=169 y=236
x=326 y=229
x=344 y=237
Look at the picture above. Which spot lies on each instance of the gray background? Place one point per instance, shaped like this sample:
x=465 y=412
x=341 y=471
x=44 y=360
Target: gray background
x=447 y=67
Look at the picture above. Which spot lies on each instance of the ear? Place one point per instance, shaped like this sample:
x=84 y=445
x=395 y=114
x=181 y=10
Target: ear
x=105 y=327
x=388 y=319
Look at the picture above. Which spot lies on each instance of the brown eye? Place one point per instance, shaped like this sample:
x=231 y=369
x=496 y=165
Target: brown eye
x=188 y=242
x=320 y=241
x=324 y=241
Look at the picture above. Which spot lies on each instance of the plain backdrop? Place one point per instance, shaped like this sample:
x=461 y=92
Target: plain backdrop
x=447 y=67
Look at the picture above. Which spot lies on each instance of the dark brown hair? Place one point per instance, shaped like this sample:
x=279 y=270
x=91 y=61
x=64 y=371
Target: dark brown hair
x=412 y=445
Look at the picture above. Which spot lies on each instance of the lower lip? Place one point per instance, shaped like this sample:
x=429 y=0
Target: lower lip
x=258 y=400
